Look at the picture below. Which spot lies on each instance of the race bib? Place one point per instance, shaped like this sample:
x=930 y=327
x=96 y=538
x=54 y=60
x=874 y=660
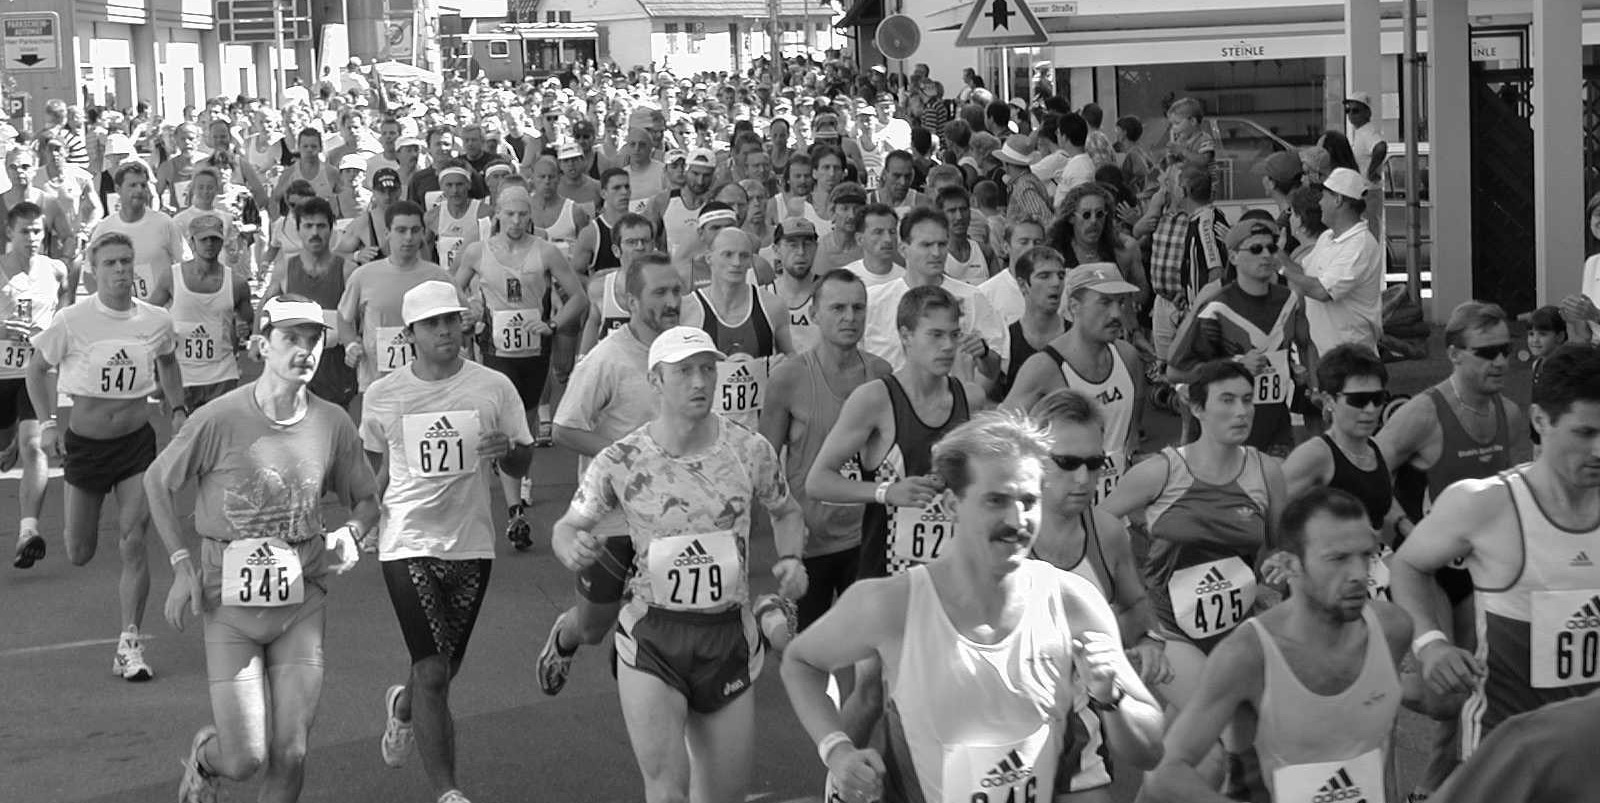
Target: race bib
x=1004 y=773
x=143 y=279
x=918 y=534
x=1212 y=598
x=1354 y=781
x=695 y=572
x=1109 y=477
x=850 y=470
x=511 y=336
x=395 y=351
x=14 y=354
x=1564 y=638
x=432 y=199
x=638 y=205
x=330 y=336
x=1276 y=385
x=739 y=385
x=441 y=444
x=197 y=343
x=261 y=573
x=1378 y=575
x=450 y=251
x=121 y=369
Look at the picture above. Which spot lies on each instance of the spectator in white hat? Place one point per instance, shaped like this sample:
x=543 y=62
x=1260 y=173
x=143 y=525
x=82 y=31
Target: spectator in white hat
x=1342 y=278
x=1365 y=139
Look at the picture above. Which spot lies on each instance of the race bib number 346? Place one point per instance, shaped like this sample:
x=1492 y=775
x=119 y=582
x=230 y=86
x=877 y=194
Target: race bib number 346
x=261 y=573
x=441 y=444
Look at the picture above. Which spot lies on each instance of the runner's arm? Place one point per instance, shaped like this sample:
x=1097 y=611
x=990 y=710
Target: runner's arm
x=584 y=247
x=161 y=289
x=41 y=384
x=577 y=295
x=1132 y=603
x=592 y=321
x=775 y=415
x=778 y=314
x=1443 y=536
x=858 y=420
x=1407 y=432
x=1310 y=465
x=1133 y=728
x=1036 y=380
x=171 y=378
x=1277 y=498
x=1232 y=677
x=468 y=267
x=865 y=619
x=1136 y=491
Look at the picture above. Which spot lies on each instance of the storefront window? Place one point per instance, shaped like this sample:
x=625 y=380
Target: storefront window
x=1253 y=108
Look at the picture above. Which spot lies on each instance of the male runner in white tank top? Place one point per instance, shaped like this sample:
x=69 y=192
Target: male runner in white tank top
x=633 y=237
x=1530 y=538
x=1319 y=673
x=984 y=651
x=453 y=224
x=795 y=242
x=1093 y=348
x=211 y=314
x=555 y=218
x=676 y=212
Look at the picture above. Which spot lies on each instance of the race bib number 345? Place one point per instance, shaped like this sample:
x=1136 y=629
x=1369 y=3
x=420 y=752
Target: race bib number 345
x=441 y=444
x=261 y=573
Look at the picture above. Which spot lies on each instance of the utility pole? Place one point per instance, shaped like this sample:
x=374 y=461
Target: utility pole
x=775 y=26
x=277 y=55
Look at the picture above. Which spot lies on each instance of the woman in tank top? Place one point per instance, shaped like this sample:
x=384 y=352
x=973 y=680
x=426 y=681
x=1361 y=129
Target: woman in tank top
x=1209 y=507
x=1346 y=457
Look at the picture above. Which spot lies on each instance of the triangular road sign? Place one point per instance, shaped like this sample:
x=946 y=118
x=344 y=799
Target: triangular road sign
x=1001 y=22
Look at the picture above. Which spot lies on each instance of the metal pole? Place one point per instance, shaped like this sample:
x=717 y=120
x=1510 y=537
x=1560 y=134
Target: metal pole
x=775 y=26
x=1005 y=75
x=277 y=61
x=1413 y=180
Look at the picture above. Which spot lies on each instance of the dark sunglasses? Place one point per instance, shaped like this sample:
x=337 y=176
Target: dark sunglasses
x=1092 y=215
x=1369 y=398
x=1491 y=353
x=1070 y=462
x=1259 y=248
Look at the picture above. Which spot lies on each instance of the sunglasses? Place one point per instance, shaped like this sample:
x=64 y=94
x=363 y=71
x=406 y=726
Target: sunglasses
x=1070 y=462
x=1096 y=214
x=1491 y=353
x=1363 y=399
x=1260 y=248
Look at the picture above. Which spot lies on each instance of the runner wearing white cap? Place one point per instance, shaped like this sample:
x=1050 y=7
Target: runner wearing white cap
x=272 y=449
x=435 y=427
x=689 y=650
x=576 y=184
x=676 y=212
x=351 y=195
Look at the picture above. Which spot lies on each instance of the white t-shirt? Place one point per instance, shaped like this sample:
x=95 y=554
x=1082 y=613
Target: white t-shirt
x=1362 y=141
x=871 y=279
x=437 y=503
x=157 y=246
x=1078 y=170
x=1005 y=295
x=610 y=395
x=882 y=335
x=106 y=353
x=1350 y=268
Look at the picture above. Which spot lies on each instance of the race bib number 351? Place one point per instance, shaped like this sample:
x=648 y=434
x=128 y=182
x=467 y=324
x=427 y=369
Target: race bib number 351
x=511 y=335
x=441 y=444
x=14 y=354
x=261 y=573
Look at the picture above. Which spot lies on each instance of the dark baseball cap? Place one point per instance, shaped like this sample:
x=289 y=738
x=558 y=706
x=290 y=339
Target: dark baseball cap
x=847 y=192
x=386 y=179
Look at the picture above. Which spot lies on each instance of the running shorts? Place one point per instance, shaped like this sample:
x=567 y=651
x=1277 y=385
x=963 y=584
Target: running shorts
x=97 y=466
x=196 y=397
x=334 y=381
x=828 y=576
x=15 y=406
x=437 y=602
x=527 y=375
x=288 y=635
x=709 y=658
x=605 y=581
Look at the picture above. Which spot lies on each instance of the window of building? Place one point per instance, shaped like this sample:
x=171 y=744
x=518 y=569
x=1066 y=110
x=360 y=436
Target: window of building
x=549 y=16
x=672 y=37
x=697 y=36
x=499 y=49
x=565 y=16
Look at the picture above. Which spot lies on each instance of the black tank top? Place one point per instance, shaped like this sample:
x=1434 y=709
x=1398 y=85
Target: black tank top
x=1371 y=487
x=735 y=339
x=1021 y=350
x=326 y=289
x=604 y=257
x=1461 y=457
x=914 y=440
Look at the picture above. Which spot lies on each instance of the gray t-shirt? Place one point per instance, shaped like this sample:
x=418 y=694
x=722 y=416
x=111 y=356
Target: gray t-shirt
x=610 y=395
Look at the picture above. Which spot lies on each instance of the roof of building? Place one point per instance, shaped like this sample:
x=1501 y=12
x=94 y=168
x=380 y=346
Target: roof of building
x=740 y=9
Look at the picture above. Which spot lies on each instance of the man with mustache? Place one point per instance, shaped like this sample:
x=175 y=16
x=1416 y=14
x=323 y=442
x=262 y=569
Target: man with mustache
x=211 y=313
x=1320 y=672
x=319 y=274
x=977 y=646
x=1093 y=358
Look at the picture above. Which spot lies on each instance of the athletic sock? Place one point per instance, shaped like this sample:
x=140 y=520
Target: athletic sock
x=28 y=526
x=564 y=651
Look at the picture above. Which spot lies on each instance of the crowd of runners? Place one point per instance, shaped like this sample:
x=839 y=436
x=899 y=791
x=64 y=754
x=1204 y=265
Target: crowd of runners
x=915 y=338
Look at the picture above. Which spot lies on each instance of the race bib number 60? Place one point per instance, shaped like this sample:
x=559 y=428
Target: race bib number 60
x=441 y=444
x=1564 y=638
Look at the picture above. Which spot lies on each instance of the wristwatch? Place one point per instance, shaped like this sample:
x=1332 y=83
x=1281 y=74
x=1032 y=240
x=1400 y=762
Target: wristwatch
x=1117 y=696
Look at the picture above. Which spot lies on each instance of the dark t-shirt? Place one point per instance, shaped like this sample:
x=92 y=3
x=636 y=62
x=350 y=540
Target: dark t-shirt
x=1218 y=335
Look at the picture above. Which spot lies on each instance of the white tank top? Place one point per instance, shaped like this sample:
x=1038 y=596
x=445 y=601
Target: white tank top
x=973 y=270
x=981 y=719
x=1332 y=748
x=564 y=231
x=456 y=233
x=1115 y=396
x=680 y=223
x=802 y=332
x=204 y=326
x=613 y=315
x=31 y=295
x=645 y=184
x=511 y=298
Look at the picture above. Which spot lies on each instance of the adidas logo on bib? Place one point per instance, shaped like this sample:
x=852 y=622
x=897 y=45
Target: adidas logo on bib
x=120 y=358
x=1010 y=771
x=262 y=556
x=399 y=338
x=441 y=429
x=1212 y=583
x=200 y=331
x=693 y=555
x=1339 y=789
x=1587 y=617
x=740 y=376
x=1580 y=560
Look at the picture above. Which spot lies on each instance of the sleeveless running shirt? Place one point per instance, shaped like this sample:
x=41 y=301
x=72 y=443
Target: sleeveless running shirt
x=1204 y=540
x=613 y=315
x=326 y=290
x=512 y=294
x=30 y=296
x=564 y=231
x=1086 y=760
x=966 y=721
x=742 y=378
x=680 y=223
x=1538 y=638
x=456 y=233
x=895 y=539
x=1376 y=493
x=802 y=332
x=1114 y=394
x=830 y=528
x=973 y=270
x=604 y=257
x=204 y=326
x=1461 y=457
x=1335 y=747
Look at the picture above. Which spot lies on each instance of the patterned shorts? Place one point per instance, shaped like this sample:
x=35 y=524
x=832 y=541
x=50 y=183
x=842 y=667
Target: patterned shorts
x=437 y=603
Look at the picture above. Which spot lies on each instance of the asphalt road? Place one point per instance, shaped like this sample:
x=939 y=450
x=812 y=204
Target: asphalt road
x=70 y=732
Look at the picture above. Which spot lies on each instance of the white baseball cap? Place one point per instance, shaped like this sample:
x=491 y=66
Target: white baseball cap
x=279 y=312
x=429 y=300
x=353 y=161
x=1346 y=182
x=680 y=343
x=569 y=150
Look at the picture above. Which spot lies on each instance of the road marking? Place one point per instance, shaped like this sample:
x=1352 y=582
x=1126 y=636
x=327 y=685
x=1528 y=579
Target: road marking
x=16 y=473
x=67 y=645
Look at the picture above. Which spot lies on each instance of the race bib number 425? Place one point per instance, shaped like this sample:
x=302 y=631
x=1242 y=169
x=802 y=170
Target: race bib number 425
x=441 y=444
x=261 y=573
x=1212 y=598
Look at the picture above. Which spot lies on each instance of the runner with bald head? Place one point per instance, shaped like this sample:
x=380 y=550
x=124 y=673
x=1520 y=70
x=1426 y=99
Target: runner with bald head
x=513 y=271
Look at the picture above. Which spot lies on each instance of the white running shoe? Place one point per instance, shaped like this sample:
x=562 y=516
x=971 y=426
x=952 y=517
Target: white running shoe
x=554 y=665
x=398 y=741
x=453 y=796
x=129 y=662
x=198 y=786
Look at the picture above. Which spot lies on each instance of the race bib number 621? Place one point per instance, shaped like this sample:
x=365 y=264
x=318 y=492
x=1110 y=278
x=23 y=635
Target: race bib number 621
x=441 y=444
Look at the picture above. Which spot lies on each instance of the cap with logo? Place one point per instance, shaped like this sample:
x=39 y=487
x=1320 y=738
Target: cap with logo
x=1101 y=277
x=282 y=312
x=429 y=300
x=795 y=228
x=1346 y=182
x=680 y=343
x=206 y=226
x=1247 y=228
x=702 y=158
x=569 y=150
x=674 y=156
x=1363 y=98
x=386 y=179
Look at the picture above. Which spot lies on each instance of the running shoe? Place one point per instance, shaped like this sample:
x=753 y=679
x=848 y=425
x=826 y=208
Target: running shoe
x=129 y=663
x=198 y=786
x=778 y=618
x=398 y=741
x=553 y=663
x=8 y=456
x=30 y=550
x=453 y=796
x=518 y=531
